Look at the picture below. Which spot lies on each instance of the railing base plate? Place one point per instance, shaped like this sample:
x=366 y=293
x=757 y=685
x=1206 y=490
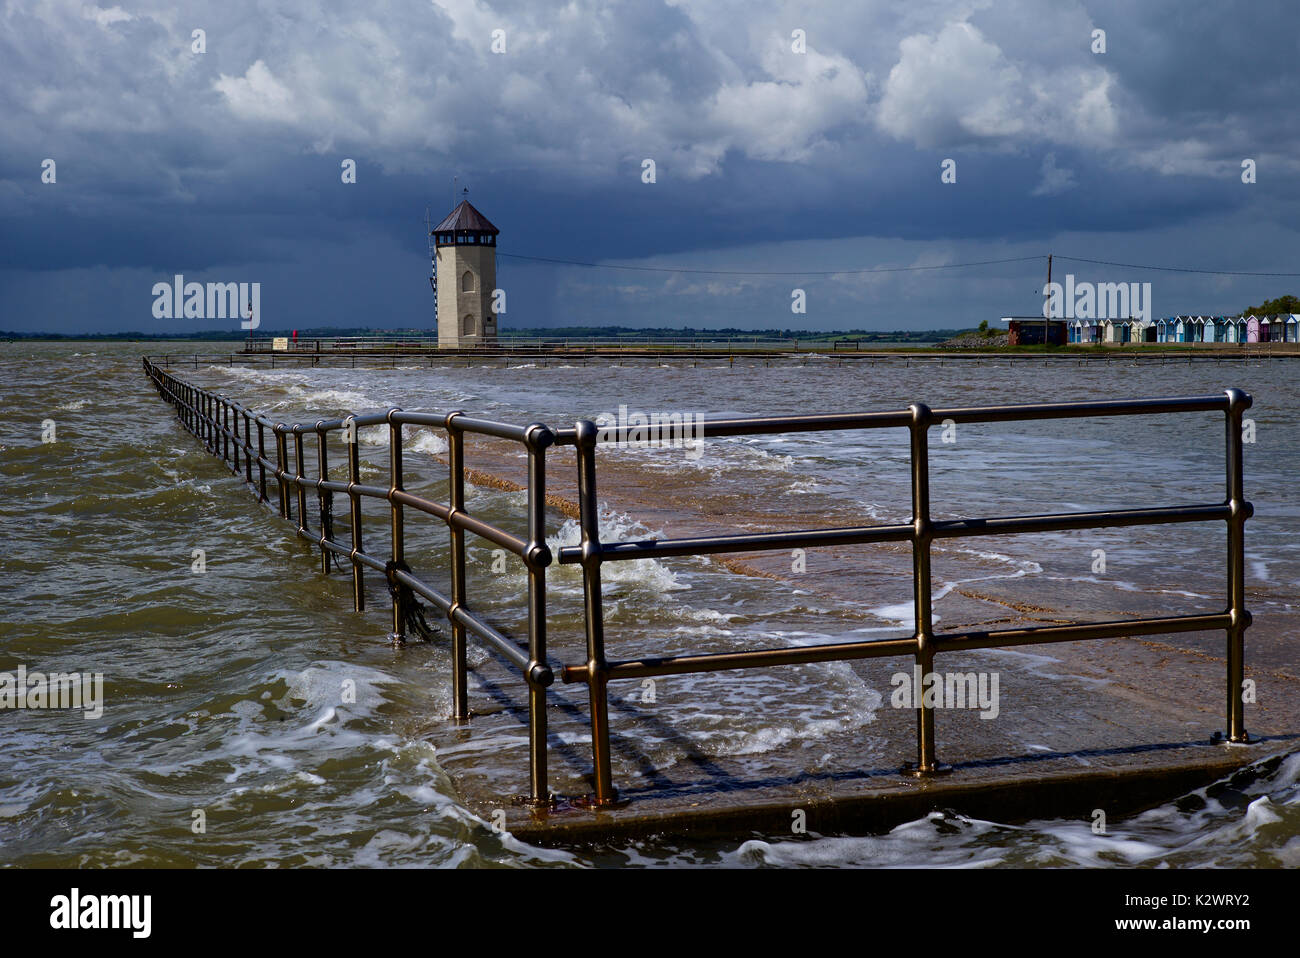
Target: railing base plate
x=1219 y=738
x=592 y=802
x=911 y=768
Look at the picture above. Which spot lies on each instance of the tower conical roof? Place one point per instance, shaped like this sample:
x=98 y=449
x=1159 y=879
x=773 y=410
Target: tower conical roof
x=465 y=217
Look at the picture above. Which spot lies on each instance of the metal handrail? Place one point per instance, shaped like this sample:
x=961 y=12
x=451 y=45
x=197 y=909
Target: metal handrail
x=209 y=416
x=1127 y=355
x=214 y=419
x=517 y=343
x=924 y=643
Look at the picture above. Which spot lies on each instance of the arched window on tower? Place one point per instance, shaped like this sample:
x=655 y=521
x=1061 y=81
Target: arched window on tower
x=467 y=282
x=468 y=325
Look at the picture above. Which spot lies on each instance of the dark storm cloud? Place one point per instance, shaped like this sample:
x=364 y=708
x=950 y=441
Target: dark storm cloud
x=225 y=165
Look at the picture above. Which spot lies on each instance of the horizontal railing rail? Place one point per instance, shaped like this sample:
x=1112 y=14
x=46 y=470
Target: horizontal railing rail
x=921 y=532
x=538 y=343
x=215 y=420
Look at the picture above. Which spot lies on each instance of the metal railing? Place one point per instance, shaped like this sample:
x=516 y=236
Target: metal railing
x=509 y=344
x=1125 y=354
x=517 y=346
x=215 y=420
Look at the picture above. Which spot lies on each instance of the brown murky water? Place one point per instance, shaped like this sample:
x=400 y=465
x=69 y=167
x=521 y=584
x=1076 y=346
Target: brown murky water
x=221 y=687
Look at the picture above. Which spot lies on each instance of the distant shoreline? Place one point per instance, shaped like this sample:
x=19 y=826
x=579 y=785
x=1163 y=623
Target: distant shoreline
x=508 y=351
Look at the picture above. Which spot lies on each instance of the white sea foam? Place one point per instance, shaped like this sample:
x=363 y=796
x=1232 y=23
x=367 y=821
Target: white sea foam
x=649 y=574
x=903 y=614
x=312 y=398
x=1225 y=835
x=1020 y=567
x=426 y=441
x=940 y=840
x=1125 y=586
x=261 y=375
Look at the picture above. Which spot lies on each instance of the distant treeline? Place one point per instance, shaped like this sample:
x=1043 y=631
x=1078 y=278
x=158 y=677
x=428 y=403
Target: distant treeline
x=690 y=332
x=224 y=335
x=558 y=332
x=1282 y=306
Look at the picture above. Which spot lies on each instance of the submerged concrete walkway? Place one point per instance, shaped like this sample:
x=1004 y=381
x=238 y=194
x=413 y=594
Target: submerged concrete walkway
x=1115 y=725
x=1060 y=749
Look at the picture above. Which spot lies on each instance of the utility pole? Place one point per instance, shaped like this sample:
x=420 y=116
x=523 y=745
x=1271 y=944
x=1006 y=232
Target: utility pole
x=1047 y=291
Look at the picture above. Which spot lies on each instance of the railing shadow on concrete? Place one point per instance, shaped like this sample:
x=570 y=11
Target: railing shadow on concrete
x=239 y=436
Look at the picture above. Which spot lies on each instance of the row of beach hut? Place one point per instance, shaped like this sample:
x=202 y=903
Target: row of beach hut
x=1188 y=329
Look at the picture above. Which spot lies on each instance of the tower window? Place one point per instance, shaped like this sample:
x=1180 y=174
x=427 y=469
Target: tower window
x=467 y=282
x=468 y=324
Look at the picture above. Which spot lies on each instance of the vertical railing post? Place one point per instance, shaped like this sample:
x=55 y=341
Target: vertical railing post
x=225 y=430
x=1240 y=510
x=456 y=536
x=233 y=416
x=324 y=498
x=242 y=434
x=538 y=557
x=597 y=680
x=261 y=456
x=398 y=635
x=248 y=448
x=354 y=480
x=922 y=535
x=282 y=467
x=299 y=474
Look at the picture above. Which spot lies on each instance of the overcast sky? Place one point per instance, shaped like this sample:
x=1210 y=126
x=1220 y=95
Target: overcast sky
x=225 y=165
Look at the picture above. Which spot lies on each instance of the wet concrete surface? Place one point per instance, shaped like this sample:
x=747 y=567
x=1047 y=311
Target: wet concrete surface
x=1116 y=725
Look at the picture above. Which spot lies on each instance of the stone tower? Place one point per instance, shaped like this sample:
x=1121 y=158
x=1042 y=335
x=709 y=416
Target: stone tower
x=466 y=263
